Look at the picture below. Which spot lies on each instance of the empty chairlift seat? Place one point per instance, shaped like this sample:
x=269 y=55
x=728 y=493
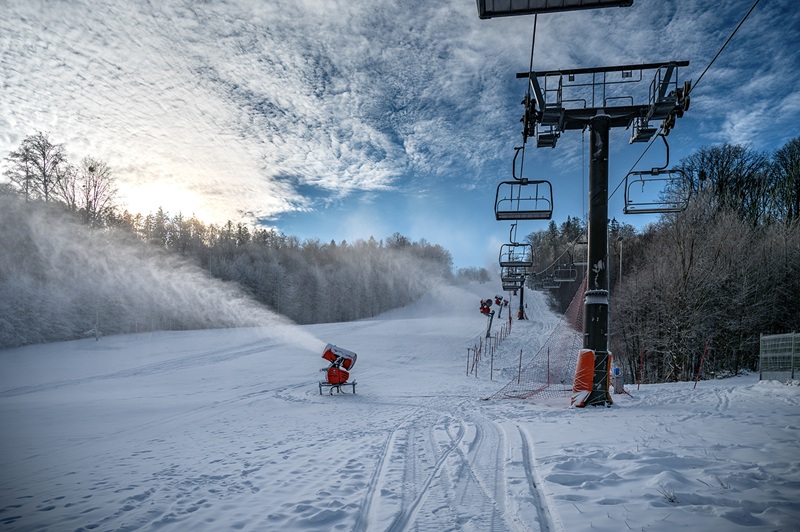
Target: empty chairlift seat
x=514 y=255
x=565 y=274
x=524 y=199
x=656 y=191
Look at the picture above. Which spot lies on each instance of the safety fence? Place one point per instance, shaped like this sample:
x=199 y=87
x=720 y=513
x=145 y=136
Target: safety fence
x=486 y=346
x=550 y=371
x=780 y=357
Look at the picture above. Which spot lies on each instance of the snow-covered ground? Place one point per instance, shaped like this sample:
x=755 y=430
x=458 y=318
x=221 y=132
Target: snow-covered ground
x=227 y=430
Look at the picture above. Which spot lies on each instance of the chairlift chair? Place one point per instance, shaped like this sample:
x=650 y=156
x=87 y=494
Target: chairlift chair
x=512 y=287
x=565 y=274
x=524 y=199
x=658 y=190
x=581 y=261
x=549 y=283
x=648 y=192
x=512 y=275
x=514 y=255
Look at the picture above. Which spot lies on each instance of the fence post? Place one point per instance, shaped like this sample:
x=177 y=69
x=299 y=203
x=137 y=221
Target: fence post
x=641 y=368
x=701 y=364
x=519 y=371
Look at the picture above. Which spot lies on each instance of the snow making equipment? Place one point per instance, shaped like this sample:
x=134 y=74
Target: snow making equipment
x=338 y=372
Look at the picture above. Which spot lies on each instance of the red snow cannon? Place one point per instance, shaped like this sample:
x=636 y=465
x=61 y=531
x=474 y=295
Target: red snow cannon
x=337 y=373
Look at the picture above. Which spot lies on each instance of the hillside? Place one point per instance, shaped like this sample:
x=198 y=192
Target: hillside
x=226 y=429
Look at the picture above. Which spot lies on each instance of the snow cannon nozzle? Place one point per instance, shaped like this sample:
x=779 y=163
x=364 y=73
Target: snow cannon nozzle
x=339 y=356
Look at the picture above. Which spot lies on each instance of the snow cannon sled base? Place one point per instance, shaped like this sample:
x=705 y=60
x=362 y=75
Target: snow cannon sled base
x=337 y=373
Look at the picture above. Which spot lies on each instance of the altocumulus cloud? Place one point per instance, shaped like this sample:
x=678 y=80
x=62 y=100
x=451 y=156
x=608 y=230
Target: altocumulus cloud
x=232 y=107
x=237 y=103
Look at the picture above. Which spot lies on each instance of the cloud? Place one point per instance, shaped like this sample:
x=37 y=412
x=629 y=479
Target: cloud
x=244 y=106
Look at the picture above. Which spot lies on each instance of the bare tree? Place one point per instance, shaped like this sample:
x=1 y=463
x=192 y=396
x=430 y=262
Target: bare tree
x=37 y=167
x=786 y=176
x=732 y=177
x=97 y=188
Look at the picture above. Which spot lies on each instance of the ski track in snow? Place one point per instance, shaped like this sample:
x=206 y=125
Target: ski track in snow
x=228 y=432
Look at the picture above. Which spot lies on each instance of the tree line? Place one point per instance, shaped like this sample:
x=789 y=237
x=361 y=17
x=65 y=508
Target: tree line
x=75 y=264
x=709 y=280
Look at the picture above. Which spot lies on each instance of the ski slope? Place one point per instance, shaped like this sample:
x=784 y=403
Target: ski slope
x=227 y=430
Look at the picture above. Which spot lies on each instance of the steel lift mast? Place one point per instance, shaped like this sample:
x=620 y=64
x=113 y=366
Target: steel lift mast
x=547 y=115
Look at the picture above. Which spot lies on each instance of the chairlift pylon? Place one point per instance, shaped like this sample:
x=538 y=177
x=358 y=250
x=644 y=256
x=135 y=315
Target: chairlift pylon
x=656 y=191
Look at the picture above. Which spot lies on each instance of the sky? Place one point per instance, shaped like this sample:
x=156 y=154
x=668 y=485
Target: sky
x=344 y=120
x=226 y=429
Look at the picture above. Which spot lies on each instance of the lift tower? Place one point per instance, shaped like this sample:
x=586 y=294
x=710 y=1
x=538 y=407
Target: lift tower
x=598 y=101
x=594 y=105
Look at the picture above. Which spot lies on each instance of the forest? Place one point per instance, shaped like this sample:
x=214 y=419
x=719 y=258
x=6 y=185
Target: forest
x=76 y=265
x=709 y=280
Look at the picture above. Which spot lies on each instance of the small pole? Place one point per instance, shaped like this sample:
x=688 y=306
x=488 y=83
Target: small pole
x=548 y=366
x=519 y=372
x=491 y=367
x=468 y=361
x=641 y=368
x=701 y=364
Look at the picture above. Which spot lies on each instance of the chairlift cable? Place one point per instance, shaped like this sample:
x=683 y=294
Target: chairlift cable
x=555 y=261
x=533 y=45
x=694 y=85
x=649 y=144
x=724 y=45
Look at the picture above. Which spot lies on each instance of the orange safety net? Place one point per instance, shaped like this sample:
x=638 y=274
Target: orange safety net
x=550 y=371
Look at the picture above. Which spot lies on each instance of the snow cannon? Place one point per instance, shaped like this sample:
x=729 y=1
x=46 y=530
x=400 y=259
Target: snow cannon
x=339 y=356
x=337 y=374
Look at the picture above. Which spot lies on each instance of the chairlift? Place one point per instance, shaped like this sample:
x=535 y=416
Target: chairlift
x=514 y=255
x=512 y=287
x=581 y=261
x=565 y=274
x=512 y=275
x=549 y=283
x=523 y=199
x=656 y=191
